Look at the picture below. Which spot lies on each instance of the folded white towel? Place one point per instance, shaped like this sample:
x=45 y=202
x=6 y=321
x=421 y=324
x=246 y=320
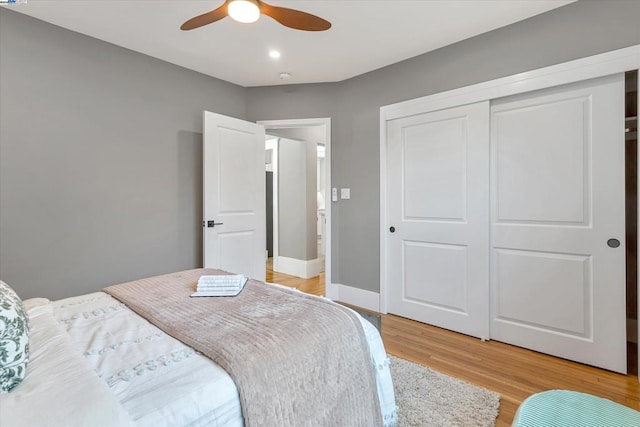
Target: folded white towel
x=220 y=286
x=220 y=278
x=213 y=285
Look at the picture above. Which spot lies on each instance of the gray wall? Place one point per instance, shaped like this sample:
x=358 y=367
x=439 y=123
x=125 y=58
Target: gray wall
x=574 y=31
x=100 y=160
x=292 y=199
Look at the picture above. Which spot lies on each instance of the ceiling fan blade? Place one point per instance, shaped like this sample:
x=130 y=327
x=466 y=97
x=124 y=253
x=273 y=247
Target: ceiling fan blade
x=294 y=18
x=206 y=18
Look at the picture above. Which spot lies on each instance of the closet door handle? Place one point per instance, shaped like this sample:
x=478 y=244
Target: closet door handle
x=613 y=243
x=392 y=229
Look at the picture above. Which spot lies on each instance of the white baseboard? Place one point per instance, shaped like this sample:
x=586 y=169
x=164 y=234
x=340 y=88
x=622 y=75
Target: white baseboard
x=332 y=291
x=315 y=267
x=354 y=296
x=298 y=267
x=632 y=330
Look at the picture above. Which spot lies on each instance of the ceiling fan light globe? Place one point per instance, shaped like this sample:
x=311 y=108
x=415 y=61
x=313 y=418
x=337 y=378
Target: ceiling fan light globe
x=245 y=11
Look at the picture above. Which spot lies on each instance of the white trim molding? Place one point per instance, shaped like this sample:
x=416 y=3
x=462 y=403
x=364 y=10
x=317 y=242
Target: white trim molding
x=332 y=291
x=298 y=267
x=354 y=296
x=273 y=145
x=616 y=61
x=591 y=67
x=638 y=255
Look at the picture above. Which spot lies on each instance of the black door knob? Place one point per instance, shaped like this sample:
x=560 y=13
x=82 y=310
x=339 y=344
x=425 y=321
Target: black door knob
x=392 y=229
x=613 y=243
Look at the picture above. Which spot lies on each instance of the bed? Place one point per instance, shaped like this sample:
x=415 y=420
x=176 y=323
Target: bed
x=95 y=361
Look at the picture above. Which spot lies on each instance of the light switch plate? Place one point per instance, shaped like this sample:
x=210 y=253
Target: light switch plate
x=345 y=193
x=334 y=194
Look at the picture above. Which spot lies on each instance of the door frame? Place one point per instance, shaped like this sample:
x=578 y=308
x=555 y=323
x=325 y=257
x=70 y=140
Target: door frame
x=274 y=192
x=638 y=220
x=306 y=123
x=616 y=61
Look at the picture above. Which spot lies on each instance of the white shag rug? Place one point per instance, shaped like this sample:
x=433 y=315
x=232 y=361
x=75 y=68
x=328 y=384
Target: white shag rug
x=428 y=398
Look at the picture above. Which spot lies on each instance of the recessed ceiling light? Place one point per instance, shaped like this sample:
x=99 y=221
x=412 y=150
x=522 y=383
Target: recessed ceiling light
x=274 y=54
x=284 y=75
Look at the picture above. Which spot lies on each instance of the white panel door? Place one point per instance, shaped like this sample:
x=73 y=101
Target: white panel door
x=234 y=196
x=438 y=213
x=557 y=175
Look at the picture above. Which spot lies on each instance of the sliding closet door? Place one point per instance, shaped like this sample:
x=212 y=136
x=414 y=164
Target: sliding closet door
x=557 y=222
x=438 y=213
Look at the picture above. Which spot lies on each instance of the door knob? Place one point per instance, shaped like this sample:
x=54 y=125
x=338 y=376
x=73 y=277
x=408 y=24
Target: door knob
x=613 y=243
x=211 y=224
x=392 y=229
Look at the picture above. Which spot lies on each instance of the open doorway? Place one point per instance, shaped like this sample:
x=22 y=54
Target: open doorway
x=298 y=179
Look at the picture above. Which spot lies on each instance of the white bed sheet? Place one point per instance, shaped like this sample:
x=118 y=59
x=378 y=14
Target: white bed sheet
x=60 y=388
x=157 y=379
x=162 y=382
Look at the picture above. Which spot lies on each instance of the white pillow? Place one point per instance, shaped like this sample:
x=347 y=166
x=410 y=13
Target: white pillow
x=14 y=339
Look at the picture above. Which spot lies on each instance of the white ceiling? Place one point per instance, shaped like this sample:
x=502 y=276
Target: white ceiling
x=366 y=35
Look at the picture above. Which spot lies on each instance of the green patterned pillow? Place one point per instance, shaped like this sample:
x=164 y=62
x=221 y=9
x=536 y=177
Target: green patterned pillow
x=14 y=339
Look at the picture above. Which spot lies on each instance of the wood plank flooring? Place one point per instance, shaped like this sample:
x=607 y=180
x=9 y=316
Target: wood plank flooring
x=514 y=372
x=314 y=286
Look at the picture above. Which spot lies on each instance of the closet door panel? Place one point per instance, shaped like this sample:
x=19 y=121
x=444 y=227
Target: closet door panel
x=543 y=156
x=437 y=185
x=435 y=152
x=557 y=198
x=565 y=308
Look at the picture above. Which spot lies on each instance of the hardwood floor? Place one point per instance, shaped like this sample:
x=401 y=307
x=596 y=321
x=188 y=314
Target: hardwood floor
x=514 y=372
x=314 y=286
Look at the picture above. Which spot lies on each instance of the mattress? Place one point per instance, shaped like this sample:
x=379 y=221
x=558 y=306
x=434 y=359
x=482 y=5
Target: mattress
x=158 y=380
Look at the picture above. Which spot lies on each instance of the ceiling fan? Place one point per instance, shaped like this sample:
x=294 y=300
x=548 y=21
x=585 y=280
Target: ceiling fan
x=247 y=11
